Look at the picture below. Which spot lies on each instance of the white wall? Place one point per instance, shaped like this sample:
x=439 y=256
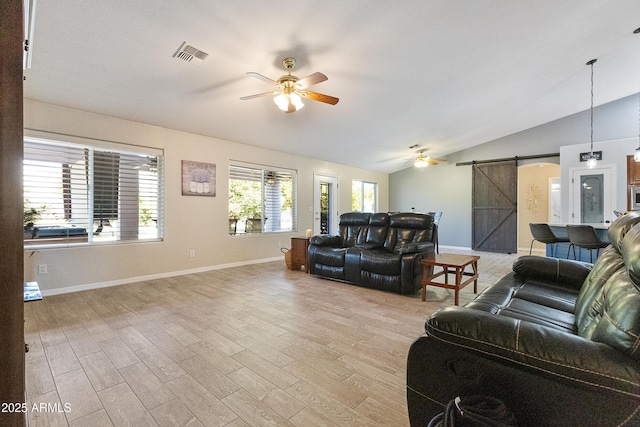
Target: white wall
x=444 y=187
x=191 y=223
x=533 y=200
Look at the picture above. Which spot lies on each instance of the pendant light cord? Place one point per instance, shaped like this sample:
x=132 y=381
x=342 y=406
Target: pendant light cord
x=637 y=31
x=591 y=63
x=591 y=161
x=636 y=153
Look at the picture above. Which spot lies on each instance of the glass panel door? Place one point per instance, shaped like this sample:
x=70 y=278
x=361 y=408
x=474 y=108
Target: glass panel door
x=592 y=199
x=325 y=205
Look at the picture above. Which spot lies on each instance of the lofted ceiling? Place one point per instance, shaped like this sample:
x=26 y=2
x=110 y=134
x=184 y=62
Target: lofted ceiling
x=444 y=75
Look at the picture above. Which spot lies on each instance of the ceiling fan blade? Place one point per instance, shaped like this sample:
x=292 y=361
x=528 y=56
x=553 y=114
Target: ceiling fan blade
x=318 y=97
x=311 y=80
x=258 y=95
x=261 y=77
x=433 y=161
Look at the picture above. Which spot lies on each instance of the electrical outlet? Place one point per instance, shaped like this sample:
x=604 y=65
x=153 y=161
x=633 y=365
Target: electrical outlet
x=42 y=268
x=192 y=253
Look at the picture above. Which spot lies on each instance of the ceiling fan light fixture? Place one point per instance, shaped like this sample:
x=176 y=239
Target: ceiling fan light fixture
x=283 y=100
x=296 y=100
x=421 y=162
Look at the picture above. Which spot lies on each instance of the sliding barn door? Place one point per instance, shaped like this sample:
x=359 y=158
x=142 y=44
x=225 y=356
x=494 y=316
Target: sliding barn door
x=494 y=207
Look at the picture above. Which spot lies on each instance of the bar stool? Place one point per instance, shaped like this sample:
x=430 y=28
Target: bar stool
x=542 y=233
x=436 y=222
x=584 y=236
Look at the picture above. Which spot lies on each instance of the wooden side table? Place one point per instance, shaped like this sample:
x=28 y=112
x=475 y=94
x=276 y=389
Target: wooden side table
x=300 y=253
x=450 y=263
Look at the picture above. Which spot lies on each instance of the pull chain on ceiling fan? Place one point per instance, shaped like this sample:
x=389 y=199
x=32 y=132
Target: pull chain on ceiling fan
x=290 y=89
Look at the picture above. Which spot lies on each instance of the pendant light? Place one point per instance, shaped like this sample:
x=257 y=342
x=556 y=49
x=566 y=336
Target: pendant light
x=591 y=159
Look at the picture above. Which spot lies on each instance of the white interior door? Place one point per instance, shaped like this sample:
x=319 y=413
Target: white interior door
x=593 y=195
x=325 y=205
x=554 y=201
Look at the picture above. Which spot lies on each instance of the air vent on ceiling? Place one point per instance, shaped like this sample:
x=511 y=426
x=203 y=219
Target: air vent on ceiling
x=188 y=52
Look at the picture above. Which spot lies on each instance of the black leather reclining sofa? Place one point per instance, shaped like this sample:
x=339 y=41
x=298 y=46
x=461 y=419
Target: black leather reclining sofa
x=557 y=341
x=376 y=250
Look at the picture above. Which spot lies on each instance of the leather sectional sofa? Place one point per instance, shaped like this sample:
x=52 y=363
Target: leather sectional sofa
x=377 y=250
x=557 y=341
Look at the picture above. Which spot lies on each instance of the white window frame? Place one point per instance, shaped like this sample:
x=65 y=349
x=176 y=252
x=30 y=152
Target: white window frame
x=268 y=216
x=137 y=202
x=362 y=185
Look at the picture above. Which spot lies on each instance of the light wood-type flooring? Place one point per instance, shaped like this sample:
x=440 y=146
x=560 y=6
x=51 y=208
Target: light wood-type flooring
x=247 y=346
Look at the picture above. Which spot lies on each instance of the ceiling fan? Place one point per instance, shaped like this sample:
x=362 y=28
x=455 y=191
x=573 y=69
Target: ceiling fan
x=423 y=161
x=289 y=90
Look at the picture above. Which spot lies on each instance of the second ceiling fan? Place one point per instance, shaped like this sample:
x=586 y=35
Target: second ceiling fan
x=424 y=161
x=290 y=89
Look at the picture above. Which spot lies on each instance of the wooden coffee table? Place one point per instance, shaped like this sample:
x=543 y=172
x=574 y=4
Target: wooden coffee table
x=451 y=264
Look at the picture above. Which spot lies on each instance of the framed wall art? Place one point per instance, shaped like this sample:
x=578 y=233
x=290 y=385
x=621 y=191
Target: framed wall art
x=198 y=179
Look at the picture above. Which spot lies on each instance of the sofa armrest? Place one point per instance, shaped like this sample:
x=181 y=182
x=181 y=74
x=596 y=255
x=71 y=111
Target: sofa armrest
x=326 y=240
x=414 y=247
x=524 y=345
x=553 y=270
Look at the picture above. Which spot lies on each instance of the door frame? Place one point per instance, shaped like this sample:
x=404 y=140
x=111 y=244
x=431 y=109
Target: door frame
x=334 y=213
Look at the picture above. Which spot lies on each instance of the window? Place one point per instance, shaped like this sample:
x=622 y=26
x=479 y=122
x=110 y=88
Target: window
x=81 y=193
x=363 y=196
x=261 y=200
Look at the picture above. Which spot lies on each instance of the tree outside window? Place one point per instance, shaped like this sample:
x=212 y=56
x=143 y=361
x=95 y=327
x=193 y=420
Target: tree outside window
x=261 y=200
x=363 y=196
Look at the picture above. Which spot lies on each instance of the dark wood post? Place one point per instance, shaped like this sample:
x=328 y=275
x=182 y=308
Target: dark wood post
x=12 y=357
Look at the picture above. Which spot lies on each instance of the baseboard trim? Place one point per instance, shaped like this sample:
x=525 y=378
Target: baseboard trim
x=534 y=251
x=459 y=248
x=98 y=285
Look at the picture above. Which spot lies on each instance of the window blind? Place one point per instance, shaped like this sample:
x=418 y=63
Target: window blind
x=75 y=193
